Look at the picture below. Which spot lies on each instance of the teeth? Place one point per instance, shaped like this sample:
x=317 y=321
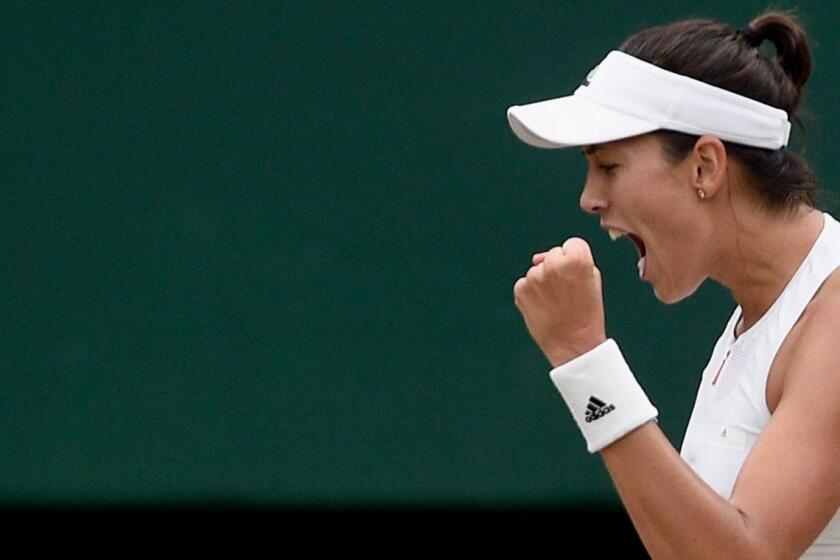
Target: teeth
x=614 y=233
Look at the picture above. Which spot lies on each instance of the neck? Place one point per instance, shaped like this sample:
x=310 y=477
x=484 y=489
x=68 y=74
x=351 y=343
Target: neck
x=762 y=255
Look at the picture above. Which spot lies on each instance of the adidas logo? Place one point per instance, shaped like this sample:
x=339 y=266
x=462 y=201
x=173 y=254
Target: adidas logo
x=597 y=408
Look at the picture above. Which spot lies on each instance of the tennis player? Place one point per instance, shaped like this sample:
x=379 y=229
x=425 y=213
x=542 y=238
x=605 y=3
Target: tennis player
x=685 y=129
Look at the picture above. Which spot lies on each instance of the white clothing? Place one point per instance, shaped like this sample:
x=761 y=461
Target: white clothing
x=731 y=407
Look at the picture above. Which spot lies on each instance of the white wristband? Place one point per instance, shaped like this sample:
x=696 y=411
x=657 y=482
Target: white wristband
x=603 y=395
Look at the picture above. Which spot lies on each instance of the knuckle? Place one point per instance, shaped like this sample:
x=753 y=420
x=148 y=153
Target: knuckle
x=579 y=262
x=574 y=242
x=520 y=292
x=578 y=251
x=555 y=259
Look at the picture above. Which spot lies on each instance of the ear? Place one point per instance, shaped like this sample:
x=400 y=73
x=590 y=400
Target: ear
x=708 y=163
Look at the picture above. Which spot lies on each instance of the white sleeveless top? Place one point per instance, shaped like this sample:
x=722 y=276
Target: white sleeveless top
x=731 y=407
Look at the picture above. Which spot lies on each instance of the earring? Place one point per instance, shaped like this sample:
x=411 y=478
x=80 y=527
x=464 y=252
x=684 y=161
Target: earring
x=701 y=193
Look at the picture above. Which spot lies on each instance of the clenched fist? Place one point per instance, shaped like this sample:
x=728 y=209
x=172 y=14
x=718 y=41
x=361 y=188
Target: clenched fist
x=561 y=300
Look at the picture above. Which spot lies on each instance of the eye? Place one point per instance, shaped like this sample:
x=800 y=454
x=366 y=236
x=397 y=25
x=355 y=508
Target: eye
x=608 y=167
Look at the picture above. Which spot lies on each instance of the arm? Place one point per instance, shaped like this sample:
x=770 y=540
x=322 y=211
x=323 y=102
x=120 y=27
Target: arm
x=787 y=490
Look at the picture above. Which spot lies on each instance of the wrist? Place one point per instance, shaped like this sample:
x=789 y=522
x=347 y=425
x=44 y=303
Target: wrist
x=560 y=356
x=603 y=395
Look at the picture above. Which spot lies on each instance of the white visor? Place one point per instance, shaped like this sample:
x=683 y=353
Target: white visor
x=624 y=96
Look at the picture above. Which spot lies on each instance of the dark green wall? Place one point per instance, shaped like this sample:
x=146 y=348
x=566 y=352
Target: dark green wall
x=265 y=251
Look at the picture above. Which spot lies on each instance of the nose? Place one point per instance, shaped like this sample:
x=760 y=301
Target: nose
x=593 y=199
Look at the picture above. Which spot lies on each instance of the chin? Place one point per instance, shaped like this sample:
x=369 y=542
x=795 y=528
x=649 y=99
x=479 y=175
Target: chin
x=671 y=295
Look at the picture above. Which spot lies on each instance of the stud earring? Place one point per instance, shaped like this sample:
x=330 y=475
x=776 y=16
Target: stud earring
x=701 y=193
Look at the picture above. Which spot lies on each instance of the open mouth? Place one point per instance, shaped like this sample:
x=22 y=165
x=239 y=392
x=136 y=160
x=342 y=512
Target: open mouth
x=637 y=242
x=640 y=245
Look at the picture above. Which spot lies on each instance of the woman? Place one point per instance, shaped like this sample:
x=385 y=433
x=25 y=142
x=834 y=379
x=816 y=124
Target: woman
x=684 y=129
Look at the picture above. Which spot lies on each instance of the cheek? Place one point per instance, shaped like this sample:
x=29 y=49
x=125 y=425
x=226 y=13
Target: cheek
x=668 y=210
x=677 y=249
x=665 y=223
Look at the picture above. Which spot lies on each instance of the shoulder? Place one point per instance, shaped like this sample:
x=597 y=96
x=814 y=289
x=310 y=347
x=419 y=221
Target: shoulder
x=824 y=308
x=815 y=355
x=818 y=322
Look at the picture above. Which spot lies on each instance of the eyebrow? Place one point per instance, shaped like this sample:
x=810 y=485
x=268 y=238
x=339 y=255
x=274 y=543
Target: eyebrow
x=589 y=150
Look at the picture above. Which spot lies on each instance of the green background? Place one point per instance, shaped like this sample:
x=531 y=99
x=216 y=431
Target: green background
x=265 y=252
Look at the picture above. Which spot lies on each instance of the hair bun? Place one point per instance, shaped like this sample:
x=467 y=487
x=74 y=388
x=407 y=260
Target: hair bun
x=792 y=51
x=751 y=36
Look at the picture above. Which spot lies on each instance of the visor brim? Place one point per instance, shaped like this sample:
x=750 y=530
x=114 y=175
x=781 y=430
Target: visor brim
x=572 y=121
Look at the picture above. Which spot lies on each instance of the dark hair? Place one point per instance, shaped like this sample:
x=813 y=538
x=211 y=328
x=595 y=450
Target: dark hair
x=731 y=59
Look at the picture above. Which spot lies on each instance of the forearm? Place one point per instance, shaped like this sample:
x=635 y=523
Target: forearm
x=676 y=514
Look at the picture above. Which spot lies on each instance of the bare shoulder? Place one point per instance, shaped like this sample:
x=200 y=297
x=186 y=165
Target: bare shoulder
x=814 y=355
x=818 y=321
x=823 y=309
